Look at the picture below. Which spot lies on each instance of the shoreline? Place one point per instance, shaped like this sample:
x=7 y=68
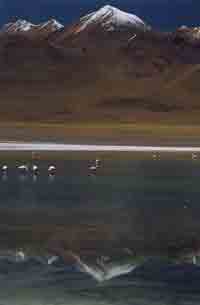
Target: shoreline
x=62 y=147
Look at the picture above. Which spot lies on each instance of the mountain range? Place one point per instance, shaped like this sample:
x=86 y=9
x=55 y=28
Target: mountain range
x=109 y=65
x=25 y=26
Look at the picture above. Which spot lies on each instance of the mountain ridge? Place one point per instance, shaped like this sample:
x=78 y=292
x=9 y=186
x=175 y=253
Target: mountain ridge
x=109 y=17
x=124 y=75
x=26 y=27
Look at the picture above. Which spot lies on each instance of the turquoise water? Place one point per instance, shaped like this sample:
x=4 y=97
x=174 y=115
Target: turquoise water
x=125 y=234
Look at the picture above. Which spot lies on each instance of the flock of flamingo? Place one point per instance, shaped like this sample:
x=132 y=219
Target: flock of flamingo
x=25 y=169
x=52 y=168
x=34 y=169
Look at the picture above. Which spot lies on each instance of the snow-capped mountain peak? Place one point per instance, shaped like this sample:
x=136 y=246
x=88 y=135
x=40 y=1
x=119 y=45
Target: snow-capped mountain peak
x=191 y=34
x=53 y=23
x=111 y=18
x=19 y=26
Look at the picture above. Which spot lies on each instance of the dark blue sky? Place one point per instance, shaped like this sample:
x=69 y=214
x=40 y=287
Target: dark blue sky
x=163 y=14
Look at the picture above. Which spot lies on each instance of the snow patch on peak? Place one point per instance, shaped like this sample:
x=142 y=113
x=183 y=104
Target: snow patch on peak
x=111 y=18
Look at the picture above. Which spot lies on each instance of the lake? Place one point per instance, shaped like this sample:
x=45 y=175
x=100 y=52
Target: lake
x=125 y=233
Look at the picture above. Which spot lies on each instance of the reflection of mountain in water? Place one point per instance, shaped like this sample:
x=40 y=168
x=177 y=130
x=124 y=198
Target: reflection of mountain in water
x=98 y=268
x=104 y=268
x=48 y=279
x=101 y=269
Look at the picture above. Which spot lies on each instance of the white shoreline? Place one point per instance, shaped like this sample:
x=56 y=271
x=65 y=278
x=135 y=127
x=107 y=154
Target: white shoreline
x=36 y=146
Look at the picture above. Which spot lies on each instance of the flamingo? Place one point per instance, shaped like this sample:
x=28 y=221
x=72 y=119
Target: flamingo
x=4 y=168
x=95 y=166
x=23 y=168
x=35 y=169
x=20 y=256
x=51 y=169
x=97 y=162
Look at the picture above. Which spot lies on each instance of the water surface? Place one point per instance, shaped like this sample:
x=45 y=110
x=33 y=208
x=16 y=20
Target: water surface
x=127 y=233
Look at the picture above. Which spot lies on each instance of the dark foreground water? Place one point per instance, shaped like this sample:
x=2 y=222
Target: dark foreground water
x=128 y=233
